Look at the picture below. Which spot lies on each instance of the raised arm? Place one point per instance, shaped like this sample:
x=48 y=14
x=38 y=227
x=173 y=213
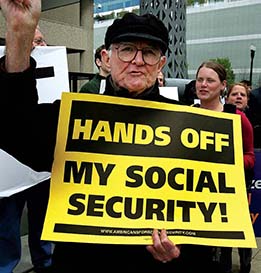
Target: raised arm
x=21 y=17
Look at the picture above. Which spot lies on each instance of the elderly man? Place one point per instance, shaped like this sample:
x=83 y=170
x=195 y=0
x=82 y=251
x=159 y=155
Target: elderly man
x=136 y=46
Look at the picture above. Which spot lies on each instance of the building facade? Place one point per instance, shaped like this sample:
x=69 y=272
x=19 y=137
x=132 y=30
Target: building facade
x=225 y=30
x=217 y=29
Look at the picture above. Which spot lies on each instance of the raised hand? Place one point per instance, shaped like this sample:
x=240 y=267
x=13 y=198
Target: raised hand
x=21 y=17
x=20 y=14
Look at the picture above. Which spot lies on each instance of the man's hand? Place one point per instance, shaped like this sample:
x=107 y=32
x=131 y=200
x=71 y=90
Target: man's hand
x=163 y=249
x=21 y=17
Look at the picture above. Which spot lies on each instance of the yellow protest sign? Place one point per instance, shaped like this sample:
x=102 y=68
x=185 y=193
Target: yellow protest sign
x=123 y=167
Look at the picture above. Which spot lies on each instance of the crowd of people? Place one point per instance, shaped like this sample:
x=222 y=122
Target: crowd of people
x=130 y=63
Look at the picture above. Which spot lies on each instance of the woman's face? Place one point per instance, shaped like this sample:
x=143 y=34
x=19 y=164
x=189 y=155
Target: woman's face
x=238 y=96
x=208 y=85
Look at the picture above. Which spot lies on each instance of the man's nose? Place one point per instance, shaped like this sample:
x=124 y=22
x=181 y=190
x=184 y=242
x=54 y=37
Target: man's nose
x=139 y=57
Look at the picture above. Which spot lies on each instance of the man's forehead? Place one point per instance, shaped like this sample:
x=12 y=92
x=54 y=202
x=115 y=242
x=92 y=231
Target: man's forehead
x=38 y=33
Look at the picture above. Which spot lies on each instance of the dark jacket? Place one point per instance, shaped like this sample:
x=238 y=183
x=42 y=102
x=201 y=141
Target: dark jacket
x=93 y=85
x=253 y=112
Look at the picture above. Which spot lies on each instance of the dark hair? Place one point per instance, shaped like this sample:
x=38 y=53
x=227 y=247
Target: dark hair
x=246 y=82
x=97 y=54
x=217 y=67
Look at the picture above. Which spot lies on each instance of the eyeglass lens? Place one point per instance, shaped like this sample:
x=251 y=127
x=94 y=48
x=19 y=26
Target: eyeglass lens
x=128 y=52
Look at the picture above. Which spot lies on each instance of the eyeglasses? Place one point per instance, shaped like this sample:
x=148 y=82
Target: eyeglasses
x=128 y=52
x=39 y=41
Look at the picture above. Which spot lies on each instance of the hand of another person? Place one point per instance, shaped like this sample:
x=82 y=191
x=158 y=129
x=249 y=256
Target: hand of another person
x=21 y=17
x=163 y=249
x=21 y=14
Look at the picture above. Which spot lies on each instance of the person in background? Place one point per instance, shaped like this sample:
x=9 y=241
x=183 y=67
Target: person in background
x=210 y=85
x=95 y=85
x=253 y=113
x=247 y=83
x=33 y=202
x=161 y=79
x=190 y=95
x=135 y=48
x=238 y=94
x=38 y=38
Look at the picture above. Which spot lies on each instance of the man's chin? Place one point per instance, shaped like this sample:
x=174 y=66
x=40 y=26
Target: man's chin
x=136 y=88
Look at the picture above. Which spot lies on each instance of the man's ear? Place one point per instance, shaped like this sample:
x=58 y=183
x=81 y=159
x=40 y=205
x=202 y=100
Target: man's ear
x=105 y=56
x=162 y=62
x=98 y=62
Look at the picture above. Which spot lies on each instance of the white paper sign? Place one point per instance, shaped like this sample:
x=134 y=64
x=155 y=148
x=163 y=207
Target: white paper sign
x=16 y=177
x=52 y=68
x=169 y=92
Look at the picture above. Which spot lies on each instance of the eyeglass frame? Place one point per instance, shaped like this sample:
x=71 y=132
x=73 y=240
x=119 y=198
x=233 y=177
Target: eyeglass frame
x=137 y=50
x=39 y=41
